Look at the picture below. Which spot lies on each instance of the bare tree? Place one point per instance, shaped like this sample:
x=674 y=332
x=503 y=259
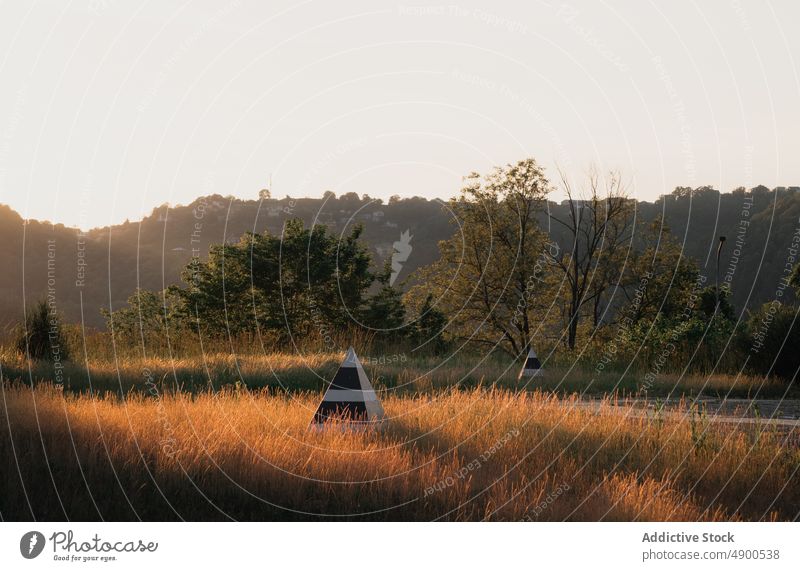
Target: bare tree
x=598 y=221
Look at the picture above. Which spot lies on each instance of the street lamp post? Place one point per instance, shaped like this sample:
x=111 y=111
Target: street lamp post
x=719 y=252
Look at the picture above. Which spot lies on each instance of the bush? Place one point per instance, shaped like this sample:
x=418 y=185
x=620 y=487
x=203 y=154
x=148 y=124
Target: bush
x=771 y=339
x=428 y=329
x=42 y=335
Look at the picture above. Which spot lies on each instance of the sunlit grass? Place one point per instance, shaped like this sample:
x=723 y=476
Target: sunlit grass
x=457 y=455
x=401 y=373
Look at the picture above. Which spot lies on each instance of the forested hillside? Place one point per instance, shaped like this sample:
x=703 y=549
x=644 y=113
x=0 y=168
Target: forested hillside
x=87 y=272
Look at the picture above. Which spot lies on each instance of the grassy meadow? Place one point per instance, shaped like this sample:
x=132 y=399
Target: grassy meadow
x=121 y=369
x=219 y=437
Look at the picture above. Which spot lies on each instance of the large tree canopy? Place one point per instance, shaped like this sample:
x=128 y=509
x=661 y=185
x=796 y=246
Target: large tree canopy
x=303 y=282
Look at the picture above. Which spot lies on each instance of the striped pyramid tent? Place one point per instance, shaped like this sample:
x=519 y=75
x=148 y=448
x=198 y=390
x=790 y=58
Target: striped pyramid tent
x=532 y=366
x=350 y=395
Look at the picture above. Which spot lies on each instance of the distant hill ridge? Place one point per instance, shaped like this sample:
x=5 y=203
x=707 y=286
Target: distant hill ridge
x=105 y=265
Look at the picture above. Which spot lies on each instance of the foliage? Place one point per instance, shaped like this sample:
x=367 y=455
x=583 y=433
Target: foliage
x=574 y=275
x=489 y=277
x=147 y=314
x=302 y=283
x=771 y=339
x=42 y=335
x=711 y=302
x=658 y=277
x=150 y=254
x=428 y=328
x=794 y=279
x=385 y=313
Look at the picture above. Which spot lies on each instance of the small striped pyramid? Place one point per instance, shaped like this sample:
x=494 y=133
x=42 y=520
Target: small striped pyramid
x=350 y=396
x=532 y=366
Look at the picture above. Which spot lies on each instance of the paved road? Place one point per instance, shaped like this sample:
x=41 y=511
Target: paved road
x=743 y=412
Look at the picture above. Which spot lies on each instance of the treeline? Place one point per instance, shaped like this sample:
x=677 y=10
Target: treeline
x=306 y=288
x=104 y=266
x=611 y=292
x=591 y=280
x=606 y=287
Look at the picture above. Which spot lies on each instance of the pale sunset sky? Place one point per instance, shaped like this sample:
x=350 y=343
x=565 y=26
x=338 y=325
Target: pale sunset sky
x=109 y=108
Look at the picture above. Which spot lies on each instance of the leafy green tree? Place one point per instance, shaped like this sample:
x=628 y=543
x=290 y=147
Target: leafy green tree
x=385 y=312
x=661 y=289
x=218 y=297
x=489 y=276
x=146 y=314
x=658 y=277
x=292 y=285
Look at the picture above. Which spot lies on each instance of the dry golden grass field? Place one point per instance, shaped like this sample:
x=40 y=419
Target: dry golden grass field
x=196 y=371
x=476 y=453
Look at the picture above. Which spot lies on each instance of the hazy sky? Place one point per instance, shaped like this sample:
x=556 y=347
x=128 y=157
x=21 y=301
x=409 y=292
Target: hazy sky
x=109 y=107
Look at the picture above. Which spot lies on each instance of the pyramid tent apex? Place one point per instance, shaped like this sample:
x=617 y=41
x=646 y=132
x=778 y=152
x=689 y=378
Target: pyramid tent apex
x=351 y=359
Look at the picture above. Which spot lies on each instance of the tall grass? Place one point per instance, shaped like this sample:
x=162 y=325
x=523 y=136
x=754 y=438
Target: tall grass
x=400 y=372
x=456 y=455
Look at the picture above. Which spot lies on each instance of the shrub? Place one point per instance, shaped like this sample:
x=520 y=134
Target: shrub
x=771 y=339
x=42 y=334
